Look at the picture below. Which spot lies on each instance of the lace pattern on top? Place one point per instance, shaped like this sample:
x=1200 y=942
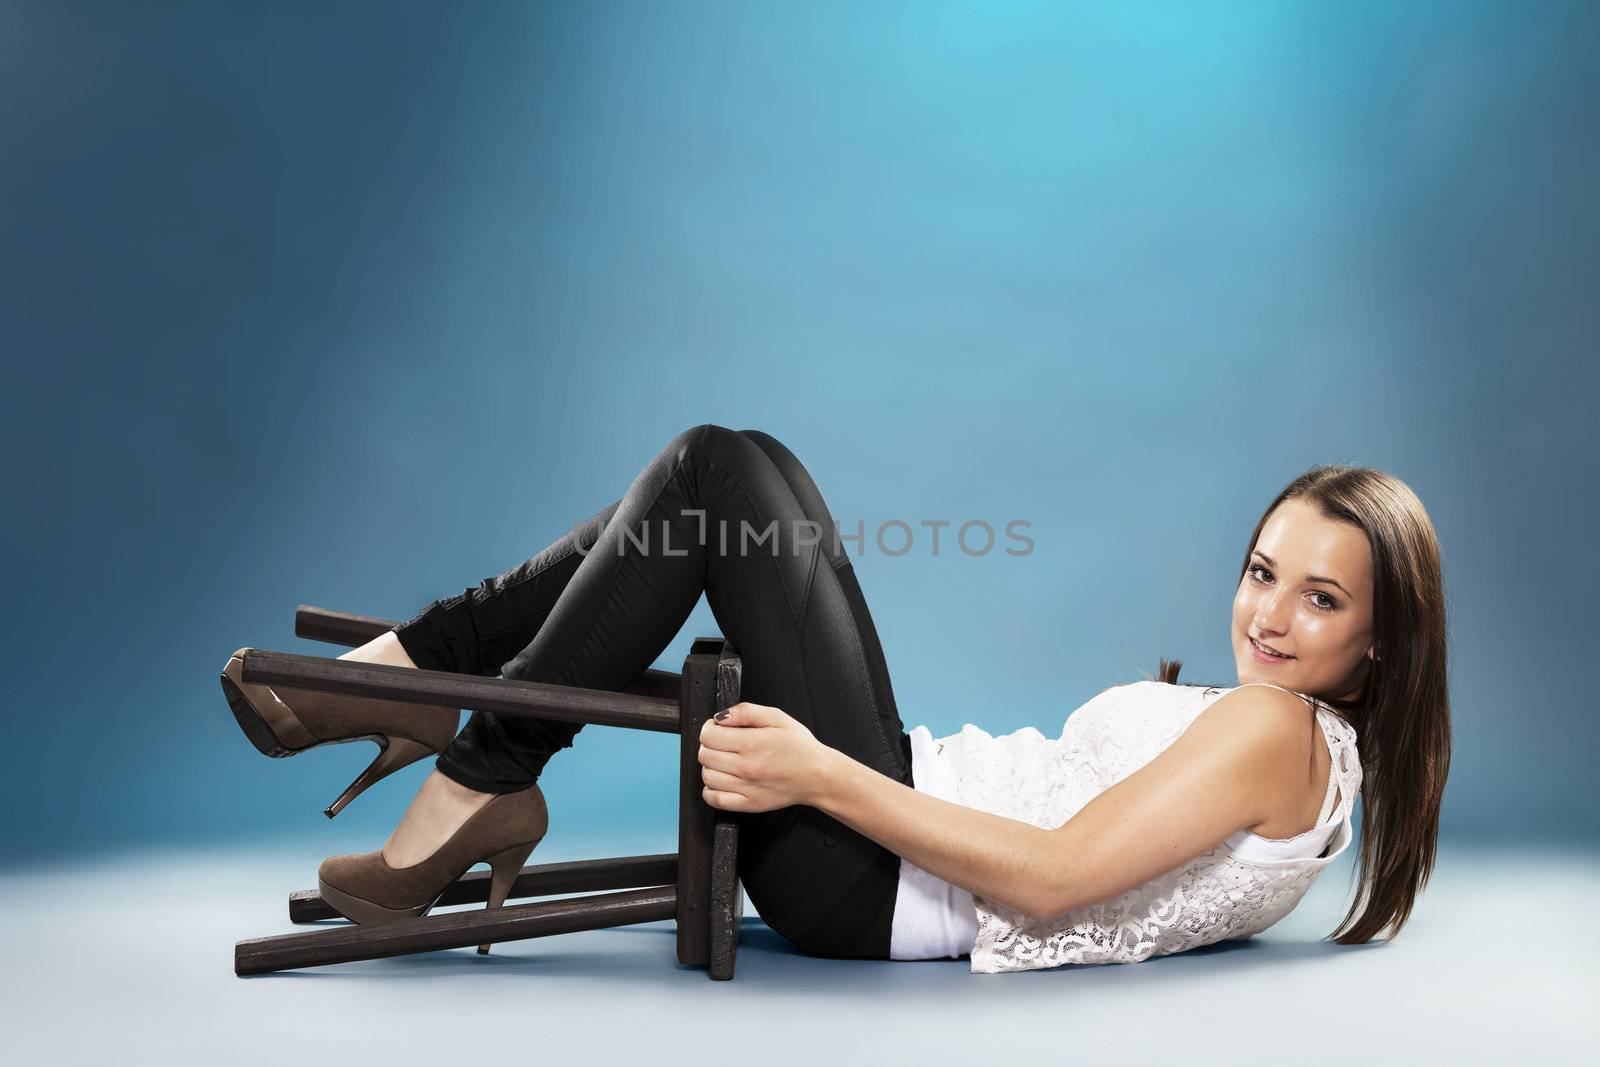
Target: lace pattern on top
x=1231 y=892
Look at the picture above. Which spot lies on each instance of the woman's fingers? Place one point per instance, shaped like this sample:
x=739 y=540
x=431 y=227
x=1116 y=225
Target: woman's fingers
x=726 y=738
x=736 y=729
x=721 y=780
x=722 y=761
x=725 y=801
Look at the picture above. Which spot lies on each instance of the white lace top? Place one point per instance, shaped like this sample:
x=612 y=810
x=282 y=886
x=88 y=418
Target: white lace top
x=1238 y=889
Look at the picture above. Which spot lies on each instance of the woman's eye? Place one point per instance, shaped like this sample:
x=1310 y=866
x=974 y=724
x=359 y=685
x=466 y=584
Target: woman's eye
x=1329 y=606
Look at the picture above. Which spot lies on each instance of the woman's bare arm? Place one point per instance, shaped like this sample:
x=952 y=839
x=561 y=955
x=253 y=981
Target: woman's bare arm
x=1239 y=762
x=1242 y=761
x=1000 y=859
x=761 y=758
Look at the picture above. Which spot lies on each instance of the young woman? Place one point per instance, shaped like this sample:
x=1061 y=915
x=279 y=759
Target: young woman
x=1164 y=817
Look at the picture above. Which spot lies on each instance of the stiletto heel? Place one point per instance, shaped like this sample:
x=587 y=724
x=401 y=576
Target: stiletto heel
x=365 y=889
x=290 y=721
x=393 y=754
x=506 y=866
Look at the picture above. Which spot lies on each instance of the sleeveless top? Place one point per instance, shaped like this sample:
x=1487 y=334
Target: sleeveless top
x=1238 y=889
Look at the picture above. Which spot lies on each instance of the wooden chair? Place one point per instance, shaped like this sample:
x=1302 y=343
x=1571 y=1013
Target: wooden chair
x=698 y=886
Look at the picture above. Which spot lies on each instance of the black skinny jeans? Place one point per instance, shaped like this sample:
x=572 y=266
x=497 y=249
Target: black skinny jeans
x=599 y=605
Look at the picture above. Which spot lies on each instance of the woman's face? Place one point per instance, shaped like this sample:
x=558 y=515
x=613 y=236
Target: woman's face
x=1306 y=593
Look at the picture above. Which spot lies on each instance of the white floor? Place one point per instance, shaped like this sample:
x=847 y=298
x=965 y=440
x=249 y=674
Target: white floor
x=129 y=961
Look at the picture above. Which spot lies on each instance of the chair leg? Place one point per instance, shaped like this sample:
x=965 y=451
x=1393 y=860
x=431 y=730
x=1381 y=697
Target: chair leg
x=727 y=911
x=697 y=702
x=712 y=676
x=459 y=929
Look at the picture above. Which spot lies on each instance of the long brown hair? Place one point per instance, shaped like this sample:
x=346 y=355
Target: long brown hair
x=1402 y=718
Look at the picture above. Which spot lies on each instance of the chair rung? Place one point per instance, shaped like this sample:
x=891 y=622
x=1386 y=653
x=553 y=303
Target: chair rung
x=536 y=880
x=503 y=696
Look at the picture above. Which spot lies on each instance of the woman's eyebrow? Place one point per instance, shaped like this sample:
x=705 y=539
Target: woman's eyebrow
x=1310 y=577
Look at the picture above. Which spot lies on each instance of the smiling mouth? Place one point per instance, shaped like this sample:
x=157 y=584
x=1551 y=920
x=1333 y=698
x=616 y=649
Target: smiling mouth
x=1264 y=650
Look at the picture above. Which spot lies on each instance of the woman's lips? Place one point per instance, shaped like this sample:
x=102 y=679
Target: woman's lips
x=1265 y=657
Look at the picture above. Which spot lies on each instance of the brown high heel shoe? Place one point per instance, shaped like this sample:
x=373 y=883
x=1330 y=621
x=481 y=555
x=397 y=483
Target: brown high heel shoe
x=365 y=889
x=283 y=722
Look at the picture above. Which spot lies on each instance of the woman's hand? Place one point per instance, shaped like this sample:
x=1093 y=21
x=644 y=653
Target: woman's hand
x=759 y=759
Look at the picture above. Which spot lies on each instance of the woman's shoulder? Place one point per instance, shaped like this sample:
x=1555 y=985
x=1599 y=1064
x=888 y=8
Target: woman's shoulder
x=1269 y=712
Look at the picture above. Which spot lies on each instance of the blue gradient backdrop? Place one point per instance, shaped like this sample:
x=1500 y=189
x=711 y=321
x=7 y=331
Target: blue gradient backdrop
x=355 y=305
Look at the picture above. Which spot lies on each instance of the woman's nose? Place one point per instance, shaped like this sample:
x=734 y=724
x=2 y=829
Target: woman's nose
x=1269 y=612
